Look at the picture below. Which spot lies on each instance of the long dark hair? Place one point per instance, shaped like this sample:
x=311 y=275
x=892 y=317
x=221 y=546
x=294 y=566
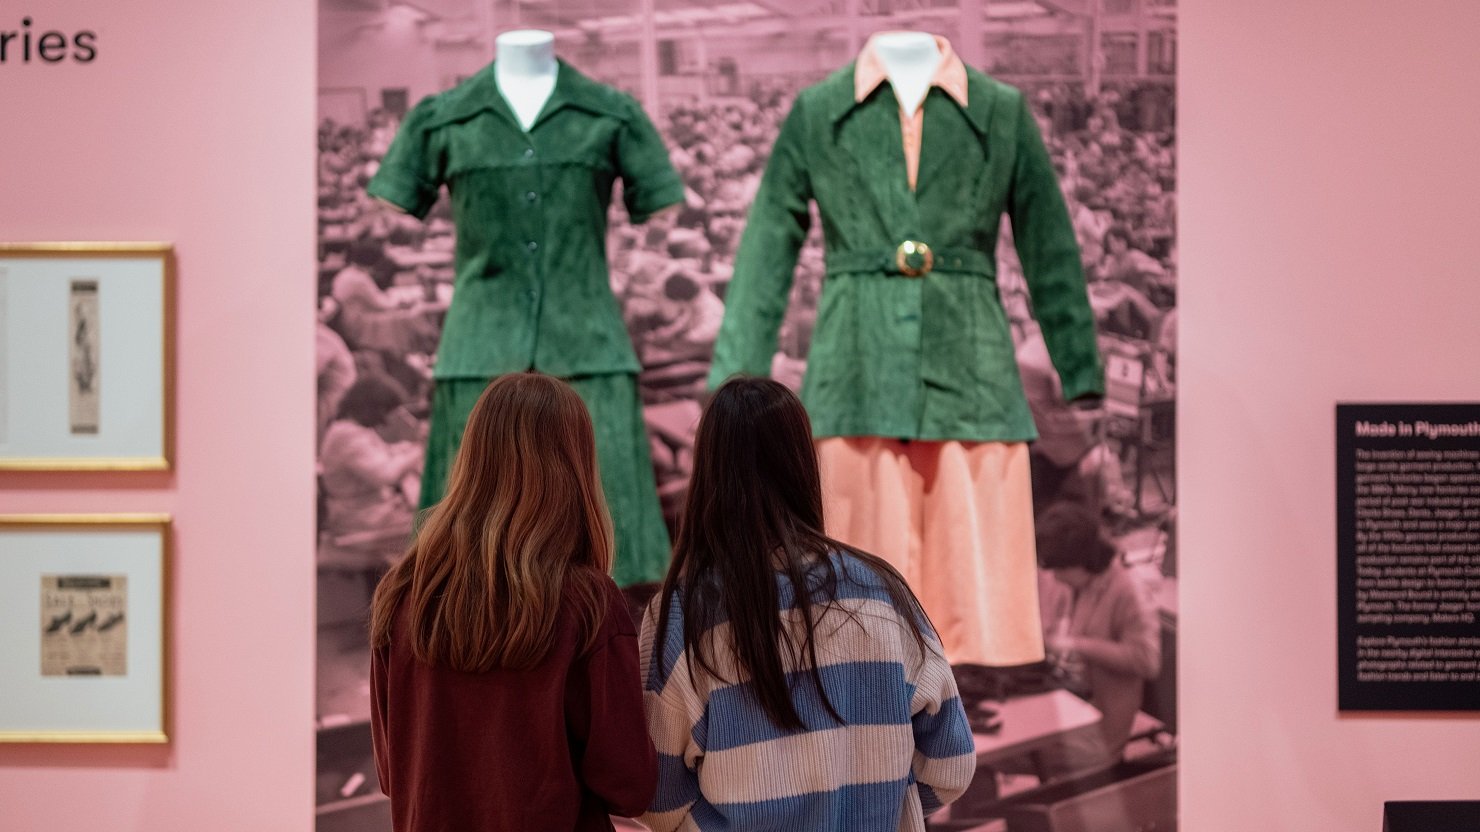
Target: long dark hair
x=754 y=511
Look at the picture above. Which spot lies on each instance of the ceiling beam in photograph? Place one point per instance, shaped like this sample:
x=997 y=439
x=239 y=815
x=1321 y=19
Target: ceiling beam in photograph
x=1073 y=8
x=824 y=28
x=621 y=21
x=995 y=9
x=353 y=5
x=801 y=8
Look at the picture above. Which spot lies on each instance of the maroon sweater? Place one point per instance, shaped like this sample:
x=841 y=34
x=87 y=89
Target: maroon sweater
x=553 y=749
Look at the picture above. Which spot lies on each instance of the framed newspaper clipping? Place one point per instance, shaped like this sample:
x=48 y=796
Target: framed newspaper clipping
x=84 y=628
x=86 y=347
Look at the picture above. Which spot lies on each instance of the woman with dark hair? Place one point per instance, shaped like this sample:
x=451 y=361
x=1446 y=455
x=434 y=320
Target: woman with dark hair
x=370 y=318
x=361 y=471
x=1127 y=264
x=1102 y=629
x=1116 y=295
x=792 y=682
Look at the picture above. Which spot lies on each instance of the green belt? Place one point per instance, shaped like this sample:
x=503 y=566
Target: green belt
x=912 y=259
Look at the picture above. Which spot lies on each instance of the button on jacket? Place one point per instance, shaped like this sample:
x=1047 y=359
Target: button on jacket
x=532 y=288
x=926 y=357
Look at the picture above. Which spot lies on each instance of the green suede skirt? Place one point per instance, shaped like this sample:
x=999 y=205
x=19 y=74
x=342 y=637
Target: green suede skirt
x=621 y=450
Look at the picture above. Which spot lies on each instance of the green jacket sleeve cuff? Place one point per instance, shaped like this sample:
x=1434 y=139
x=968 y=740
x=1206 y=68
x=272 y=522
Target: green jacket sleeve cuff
x=649 y=200
x=403 y=192
x=1086 y=383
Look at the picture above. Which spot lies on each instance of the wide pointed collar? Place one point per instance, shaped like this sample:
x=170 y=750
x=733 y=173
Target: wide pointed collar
x=572 y=89
x=950 y=75
x=837 y=96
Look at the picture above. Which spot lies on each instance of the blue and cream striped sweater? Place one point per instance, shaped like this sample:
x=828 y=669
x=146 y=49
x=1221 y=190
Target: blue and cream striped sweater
x=903 y=750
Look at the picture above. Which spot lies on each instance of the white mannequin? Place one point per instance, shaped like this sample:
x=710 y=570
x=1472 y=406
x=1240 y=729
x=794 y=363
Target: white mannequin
x=525 y=70
x=910 y=60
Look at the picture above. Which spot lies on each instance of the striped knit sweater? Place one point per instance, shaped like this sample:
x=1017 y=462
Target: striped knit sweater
x=903 y=750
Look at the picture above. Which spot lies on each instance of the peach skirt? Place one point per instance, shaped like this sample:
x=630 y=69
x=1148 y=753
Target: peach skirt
x=956 y=519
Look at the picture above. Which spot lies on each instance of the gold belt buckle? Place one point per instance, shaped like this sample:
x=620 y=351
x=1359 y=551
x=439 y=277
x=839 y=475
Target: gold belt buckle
x=914 y=258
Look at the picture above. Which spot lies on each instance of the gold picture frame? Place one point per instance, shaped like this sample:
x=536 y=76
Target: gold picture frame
x=23 y=691
x=160 y=458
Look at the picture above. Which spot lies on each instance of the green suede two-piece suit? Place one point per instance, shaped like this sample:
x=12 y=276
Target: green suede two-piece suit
x=926 y=357
x=532 y=290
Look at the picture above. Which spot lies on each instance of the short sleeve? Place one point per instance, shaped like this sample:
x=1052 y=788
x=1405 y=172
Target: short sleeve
x=411 y=172
x=649 y=182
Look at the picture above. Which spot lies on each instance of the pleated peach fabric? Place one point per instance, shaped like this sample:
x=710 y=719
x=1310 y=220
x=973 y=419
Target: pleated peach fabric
x=956 y=519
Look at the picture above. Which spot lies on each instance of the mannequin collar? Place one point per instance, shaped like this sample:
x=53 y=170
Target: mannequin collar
x=572 y=89
x=869 y=72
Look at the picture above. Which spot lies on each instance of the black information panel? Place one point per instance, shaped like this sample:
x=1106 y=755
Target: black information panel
x=1408 y=556
x=1431 y=816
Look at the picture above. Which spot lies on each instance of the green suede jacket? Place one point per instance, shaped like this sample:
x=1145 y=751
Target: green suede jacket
x=929 y=356
x=532 y=288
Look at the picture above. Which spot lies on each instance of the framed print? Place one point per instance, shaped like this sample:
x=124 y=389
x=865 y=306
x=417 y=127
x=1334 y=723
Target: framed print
x=84 y=628
x=86 y=355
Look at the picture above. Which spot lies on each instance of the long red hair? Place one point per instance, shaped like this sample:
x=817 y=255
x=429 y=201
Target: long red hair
x=523 y=528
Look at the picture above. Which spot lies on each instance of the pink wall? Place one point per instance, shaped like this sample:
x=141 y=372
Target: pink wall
x=195 y=125
x=1330 y=197
x=1331 y=207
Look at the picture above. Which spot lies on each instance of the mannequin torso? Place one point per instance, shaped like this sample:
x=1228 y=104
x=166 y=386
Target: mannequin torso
x=525 y=70
x=910 y=60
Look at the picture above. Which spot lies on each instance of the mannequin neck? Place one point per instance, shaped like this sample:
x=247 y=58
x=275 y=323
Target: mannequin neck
x=526 y=53
x=526 y=69
x=910 y=60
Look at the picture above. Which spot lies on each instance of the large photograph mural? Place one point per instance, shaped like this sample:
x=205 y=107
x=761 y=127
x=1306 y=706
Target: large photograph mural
x=717 y=78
